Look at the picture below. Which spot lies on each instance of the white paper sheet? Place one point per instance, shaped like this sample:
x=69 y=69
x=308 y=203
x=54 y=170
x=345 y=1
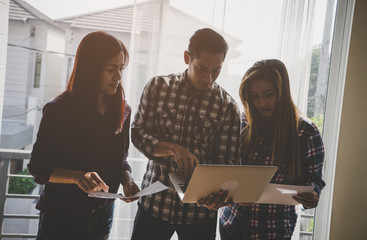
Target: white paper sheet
x=282 y=194
x=154 y=188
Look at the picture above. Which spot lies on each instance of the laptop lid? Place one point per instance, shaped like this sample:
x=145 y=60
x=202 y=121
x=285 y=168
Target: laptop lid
x=245 y=183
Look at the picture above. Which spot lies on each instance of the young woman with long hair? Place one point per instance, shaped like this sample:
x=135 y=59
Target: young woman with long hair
x=82 y=144
x=274 y=133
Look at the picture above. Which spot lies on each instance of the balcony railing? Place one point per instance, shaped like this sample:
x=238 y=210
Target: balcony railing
x=9 y=155
x=10 y=230
x=6 y=156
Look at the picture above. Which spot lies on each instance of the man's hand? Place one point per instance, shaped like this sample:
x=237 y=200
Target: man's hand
x=214 y=201
x=307 y=199
x=90 y=182
x=186 y=161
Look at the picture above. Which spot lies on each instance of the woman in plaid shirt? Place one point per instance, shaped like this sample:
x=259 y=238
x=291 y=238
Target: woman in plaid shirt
x=82 y=145
x=274 y=133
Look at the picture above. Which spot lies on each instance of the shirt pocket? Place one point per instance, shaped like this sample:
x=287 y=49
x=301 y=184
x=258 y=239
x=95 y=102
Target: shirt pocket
x=204 y=130
x=166 y=120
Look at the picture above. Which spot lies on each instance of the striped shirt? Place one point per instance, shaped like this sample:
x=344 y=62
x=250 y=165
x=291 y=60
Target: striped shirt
x=207 y=123
x=271 y=221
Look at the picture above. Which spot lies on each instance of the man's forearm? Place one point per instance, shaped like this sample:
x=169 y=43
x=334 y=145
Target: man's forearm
x=165 y=149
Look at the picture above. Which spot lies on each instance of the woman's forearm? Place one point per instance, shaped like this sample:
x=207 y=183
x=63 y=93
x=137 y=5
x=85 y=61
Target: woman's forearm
x=87 y=181
x=62 y=175
x=126 y=177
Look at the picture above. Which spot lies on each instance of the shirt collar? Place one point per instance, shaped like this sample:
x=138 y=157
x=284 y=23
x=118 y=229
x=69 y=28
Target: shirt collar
x=190 y=86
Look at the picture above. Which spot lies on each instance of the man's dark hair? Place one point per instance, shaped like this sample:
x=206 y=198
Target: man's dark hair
x=207 y=40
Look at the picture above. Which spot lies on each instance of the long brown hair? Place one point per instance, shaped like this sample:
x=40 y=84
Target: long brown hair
x=93 y=52
x=285 y=146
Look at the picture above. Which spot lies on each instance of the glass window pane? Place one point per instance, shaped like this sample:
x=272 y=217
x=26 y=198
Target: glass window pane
x=41 y=54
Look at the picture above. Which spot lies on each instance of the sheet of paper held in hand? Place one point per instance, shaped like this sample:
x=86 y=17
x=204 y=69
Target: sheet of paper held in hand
x=154 y=188
x=282 y=194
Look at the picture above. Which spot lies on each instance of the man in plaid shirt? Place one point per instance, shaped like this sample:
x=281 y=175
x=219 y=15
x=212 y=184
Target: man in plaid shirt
x=182 y=120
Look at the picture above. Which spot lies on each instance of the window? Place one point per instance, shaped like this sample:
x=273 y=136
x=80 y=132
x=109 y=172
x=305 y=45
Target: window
x=297 y=32
x=69 y=68
x=37 y=70
x=156 y=32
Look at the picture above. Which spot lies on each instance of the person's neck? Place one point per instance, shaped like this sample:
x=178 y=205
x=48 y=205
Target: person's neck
x=101 y=104
x=268 y=122
x=269 y=119
x=191 y=87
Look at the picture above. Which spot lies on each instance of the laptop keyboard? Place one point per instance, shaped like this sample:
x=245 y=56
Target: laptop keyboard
x=183 y=186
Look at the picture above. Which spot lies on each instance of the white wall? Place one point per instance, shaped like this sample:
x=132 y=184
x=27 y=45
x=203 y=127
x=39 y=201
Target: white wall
x=24 y=39
x=53 y=66
x=19 y=69
x=4 y=13
x=349 y=210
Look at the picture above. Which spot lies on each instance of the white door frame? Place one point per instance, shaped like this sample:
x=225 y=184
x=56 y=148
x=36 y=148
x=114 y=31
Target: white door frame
x=334 y=103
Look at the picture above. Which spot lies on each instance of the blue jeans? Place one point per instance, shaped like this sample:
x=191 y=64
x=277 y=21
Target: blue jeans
x=93 y=225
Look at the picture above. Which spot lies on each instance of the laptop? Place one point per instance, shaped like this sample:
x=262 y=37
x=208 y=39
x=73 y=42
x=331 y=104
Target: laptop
x=245 y=183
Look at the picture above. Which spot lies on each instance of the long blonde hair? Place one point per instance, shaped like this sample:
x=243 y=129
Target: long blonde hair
x=285 y=144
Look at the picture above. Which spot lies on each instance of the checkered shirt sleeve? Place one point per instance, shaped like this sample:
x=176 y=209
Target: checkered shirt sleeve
x=143 y=132
x=313 y=160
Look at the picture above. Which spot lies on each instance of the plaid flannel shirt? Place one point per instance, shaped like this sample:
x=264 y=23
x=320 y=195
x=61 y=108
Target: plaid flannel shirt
x=271 y=221
x=207 y=123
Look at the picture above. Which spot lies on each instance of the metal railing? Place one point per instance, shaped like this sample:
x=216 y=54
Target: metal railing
x=6 y=155
x=308 y=216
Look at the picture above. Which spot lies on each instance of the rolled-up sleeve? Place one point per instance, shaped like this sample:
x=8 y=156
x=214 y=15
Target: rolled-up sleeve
x=43 y=162
x=142 y=130
x=315 y=160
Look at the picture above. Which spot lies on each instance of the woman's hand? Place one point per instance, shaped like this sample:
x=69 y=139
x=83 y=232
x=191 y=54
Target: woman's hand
x=129 y=186
x=87 y=181
x=90 y=182
x=130 y=189
x=307 y=199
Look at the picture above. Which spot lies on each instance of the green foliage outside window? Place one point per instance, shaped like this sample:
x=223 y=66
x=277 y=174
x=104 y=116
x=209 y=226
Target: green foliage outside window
x=21 y=185
x=319 y=121
x=310 y=225
x=313 y=80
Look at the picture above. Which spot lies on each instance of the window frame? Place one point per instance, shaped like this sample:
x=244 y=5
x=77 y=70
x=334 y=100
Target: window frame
x=333 y=111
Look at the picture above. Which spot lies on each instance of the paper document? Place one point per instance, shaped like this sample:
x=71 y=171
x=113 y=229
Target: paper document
x=282 y=194
x=154 y=188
